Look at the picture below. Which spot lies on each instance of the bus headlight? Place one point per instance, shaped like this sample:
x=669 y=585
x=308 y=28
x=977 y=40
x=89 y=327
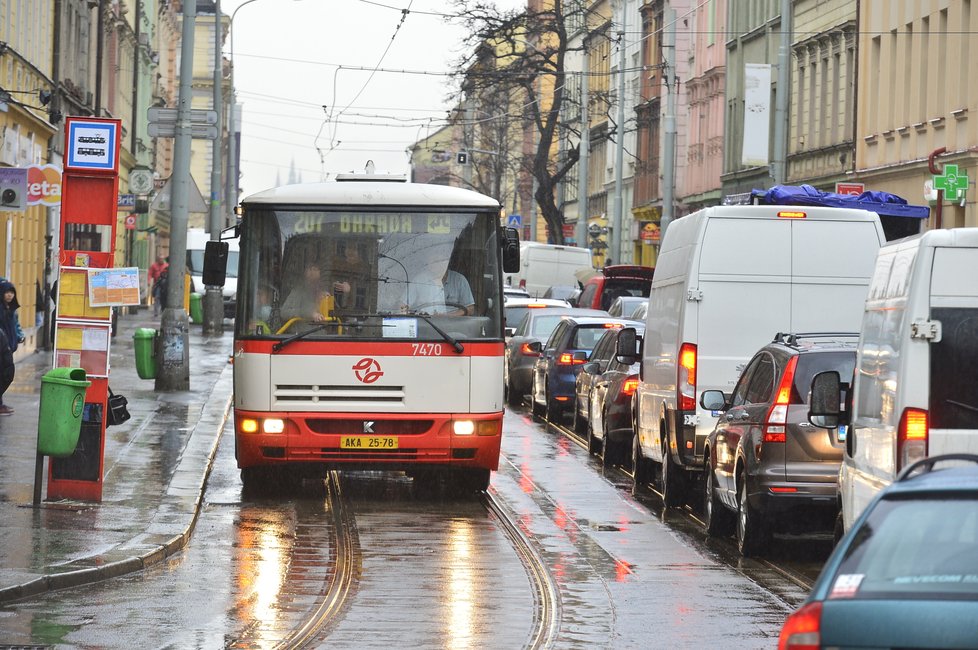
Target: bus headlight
x=273 y=425
x=477 y=427
x=463 y=427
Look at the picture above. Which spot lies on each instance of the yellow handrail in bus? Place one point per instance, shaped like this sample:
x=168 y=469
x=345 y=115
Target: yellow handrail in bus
x=326 y=306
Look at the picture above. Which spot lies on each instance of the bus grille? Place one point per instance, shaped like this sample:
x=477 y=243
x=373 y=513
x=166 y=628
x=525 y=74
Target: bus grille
x=327 y=394
x=377 y=427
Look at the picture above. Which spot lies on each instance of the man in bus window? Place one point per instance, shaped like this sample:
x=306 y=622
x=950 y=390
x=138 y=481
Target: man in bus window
x=305 y=300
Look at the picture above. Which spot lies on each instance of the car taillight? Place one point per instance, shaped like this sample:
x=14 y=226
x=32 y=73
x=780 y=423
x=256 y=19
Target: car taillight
x=777 y=417
x=567 y=359
x=527 y=351
x=628 y=388
x=912 y=437
x=686 y=382
x=802 y=630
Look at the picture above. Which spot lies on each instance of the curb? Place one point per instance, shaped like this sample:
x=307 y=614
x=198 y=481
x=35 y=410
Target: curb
x=170 y=521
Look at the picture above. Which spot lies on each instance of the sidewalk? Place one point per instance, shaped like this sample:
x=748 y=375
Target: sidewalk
x=155 y=466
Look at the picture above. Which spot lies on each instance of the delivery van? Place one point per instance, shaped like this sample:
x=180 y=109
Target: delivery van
x=548 y=265
x=914 y=392
x=197 y=239
x=727 y=280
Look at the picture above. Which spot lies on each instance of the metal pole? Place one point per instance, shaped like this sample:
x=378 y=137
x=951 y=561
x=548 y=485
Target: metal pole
x=213 y=296
x=617 y=214
x=231 y=195
x=582 y=161
x=174 y=369
x=669 y=122
x=780 y=167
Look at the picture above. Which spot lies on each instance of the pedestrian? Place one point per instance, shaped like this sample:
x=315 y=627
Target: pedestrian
x=11 y=335
x=156 y=270
x=159 y=289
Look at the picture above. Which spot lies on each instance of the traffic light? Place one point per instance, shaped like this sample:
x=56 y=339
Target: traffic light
x=462 y=157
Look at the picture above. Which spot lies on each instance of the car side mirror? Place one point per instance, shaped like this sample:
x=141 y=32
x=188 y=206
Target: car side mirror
x=579 y=356
x=535 y=346
x=713 y=400
x=826 y=396
x=215 y=268
x=511 y=250
x=591 y=367
x=510 y=331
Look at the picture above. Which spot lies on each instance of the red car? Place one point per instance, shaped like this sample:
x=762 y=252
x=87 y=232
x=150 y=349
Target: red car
x=618 y=280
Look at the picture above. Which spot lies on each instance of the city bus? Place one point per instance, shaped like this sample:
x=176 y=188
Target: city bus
x=369 y=330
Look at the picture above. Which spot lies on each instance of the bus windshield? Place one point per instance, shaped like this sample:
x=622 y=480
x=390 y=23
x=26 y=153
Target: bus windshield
x=368 y=274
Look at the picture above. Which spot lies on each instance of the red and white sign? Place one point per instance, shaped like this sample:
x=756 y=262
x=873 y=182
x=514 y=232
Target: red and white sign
x=850 y=188
x=130 y=222
x=44 y=185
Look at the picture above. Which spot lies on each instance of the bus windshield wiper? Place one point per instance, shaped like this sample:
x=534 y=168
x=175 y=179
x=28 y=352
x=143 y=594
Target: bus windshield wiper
x=299 y=335
x=451 y=340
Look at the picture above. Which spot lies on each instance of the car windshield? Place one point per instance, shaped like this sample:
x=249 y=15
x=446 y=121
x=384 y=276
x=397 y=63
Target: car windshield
x=913 y=547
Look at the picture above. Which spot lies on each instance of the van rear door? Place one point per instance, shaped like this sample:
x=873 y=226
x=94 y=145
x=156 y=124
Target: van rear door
x=953 y=401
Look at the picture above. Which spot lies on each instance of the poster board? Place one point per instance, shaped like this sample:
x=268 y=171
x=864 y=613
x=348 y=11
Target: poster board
x=73 y=295
x=113 y=287
x=82 y=344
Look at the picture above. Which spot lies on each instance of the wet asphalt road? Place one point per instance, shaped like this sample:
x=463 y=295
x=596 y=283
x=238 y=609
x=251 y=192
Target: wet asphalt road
x=431 y=570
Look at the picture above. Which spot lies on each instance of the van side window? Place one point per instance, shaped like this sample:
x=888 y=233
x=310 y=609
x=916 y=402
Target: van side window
x=762 y=383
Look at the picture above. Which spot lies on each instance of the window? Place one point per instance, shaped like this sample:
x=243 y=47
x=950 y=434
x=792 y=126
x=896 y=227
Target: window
x=762 y=382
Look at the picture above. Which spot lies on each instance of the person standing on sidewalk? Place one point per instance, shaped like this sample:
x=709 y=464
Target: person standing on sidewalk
x=11 y=335
x=156 y=271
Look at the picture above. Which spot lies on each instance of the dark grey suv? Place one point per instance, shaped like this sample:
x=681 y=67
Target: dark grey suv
x=766 y=467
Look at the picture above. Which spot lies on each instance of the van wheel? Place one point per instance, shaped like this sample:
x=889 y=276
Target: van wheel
x=718 y=519
x=752 y=534
x=673 y=483
x=640 y=467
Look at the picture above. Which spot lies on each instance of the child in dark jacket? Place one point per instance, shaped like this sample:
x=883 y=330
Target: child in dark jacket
x=11 y=335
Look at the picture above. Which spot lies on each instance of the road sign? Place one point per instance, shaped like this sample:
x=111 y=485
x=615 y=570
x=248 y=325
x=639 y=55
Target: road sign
x=514 y=221
x=130 y=222
x=169 y=130
x=952 y=182
x=161 y=115
x=850 y=188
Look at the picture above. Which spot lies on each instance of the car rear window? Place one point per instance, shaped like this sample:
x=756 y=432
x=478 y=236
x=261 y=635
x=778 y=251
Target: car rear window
x=514 y=315
x=587 y=336
x=809 y=365
x=543 y=325
x=913 y=547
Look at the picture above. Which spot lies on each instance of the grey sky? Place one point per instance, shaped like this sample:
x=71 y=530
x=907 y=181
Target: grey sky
x=292 y=57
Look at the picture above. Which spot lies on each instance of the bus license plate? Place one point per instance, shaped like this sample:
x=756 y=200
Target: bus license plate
x=368 y=442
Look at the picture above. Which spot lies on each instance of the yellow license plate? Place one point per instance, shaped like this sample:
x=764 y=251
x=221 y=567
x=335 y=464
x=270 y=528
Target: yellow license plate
x=368 y=442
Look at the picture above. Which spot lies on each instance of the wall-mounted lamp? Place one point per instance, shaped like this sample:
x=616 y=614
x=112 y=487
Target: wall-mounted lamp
x=44 y=96
x=3 y=47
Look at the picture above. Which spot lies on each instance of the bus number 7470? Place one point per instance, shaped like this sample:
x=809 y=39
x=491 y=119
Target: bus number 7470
x=426 y=349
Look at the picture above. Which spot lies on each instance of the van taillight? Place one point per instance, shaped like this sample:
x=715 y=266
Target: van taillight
x=686 y=381
x=777 y=417
x=912 y=437
x=522 y=284
x=803 y=629
x=791 y=214
x=527 y=351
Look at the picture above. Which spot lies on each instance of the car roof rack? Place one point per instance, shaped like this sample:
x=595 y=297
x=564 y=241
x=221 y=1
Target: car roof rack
x=792 y=338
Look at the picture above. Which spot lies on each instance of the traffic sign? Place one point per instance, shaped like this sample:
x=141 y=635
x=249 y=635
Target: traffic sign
x=850 y=188
x=514 y=221
x=162 y=115
x=169 y=130
x=130 y=222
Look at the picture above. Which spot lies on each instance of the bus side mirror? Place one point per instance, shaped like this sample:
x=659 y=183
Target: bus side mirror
x=511 y=250
x=628 y=348
x=215 y=263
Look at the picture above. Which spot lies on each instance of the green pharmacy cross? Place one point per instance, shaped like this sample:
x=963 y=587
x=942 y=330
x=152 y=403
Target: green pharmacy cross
x=951 y=181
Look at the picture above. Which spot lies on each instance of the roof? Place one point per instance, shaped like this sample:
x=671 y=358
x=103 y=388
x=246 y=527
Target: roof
x=367 y=193
x=882 y=203
x=954 y=472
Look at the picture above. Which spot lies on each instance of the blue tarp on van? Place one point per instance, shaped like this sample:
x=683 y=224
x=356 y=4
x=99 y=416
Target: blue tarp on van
x=882 y=203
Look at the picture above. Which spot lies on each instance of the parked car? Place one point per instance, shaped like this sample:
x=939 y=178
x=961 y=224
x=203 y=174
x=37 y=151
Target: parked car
x=555 y=371
x=623 y=306
x=766 y=468
x=603 y=404
x=537 y=326
x=726 y=278
x=601 y=289
x=515 y=309
x=906 y=574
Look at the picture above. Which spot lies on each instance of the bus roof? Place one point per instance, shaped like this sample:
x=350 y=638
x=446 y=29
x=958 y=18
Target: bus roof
x=372 y=193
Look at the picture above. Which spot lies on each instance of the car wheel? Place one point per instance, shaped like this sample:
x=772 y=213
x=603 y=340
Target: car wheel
x=580 y=424
x=640 y=467
x=554 y=414
x=751 y=532
x=611 y=453
x=673 y=483
x=594 y=445
x=839 y=529
x=718 y=519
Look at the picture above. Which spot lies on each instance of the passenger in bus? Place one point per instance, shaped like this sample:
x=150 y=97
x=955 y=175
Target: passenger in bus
x=305 y=300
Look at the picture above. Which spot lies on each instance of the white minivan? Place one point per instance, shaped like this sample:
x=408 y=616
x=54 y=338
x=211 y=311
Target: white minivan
x=727 y=279
x=549 y=265
x=915 y=391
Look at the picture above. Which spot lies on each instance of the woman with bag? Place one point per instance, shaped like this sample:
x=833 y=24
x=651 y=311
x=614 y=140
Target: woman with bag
x=11 y=335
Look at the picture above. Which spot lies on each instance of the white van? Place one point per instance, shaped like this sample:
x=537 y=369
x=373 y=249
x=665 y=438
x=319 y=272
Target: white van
x=197 y=239
x=915 y=392
x=728 y=279
x=548 y=265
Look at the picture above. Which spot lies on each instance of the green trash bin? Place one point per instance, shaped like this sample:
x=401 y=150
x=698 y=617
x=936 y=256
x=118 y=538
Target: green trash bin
x=196 y=308
x=144 y=345
x=60 y=414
